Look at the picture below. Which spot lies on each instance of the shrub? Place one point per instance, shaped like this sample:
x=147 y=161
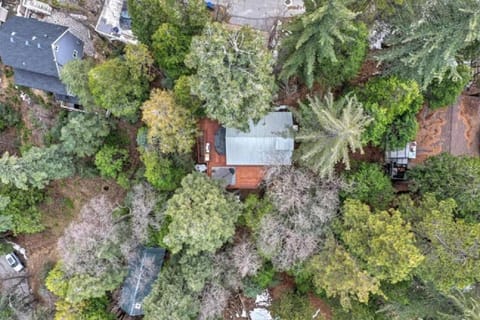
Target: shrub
x=292 y=306
x=110 y=161
x=161 y=172
x=8 y=116
x=253 y=211
x=370 y=185
x=444 y=93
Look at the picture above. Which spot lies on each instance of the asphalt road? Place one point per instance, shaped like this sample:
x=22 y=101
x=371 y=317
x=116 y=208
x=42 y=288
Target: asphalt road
x=260 y=14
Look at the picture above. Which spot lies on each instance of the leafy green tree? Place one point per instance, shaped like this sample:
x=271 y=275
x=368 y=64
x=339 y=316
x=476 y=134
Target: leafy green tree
x=183 y=96
x=325 y=45
x=292 y=306
x=84 y=133
x=409 y=300
x=229 y=62
x=111 y=161
x=161 y=172
x=36 y=168
x=171 y=298
x=91 y=309
x=170 y=126
x=338 y=128
x=403 y=130
x=450 y=245
x=428 y=48
x=443 y=93
x=147 y=16
x=370 y=185
x=19 y=207
x=121 y=85
x=191 y=16
x=382 y=239
x=254 y=209
x=169 y=47
x=74 y=75
x=447 y=176
x=386 y=99
x=203 y=216
x=337 y=273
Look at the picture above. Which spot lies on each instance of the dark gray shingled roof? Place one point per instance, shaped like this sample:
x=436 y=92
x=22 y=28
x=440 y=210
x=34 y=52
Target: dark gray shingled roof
x=37 y=50
x=143 y=272
x=27 y=44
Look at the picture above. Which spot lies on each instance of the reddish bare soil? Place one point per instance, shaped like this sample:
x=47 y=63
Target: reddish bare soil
x=65 y=198
x=454 y=129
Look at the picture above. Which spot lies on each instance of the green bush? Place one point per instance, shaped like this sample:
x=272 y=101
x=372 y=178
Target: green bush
x=386 y=99
x=20 y=208
x=370 y=185
x=293 y=306
x=161 y=172
x=447 y=176
x=402 y=131
x=9 y=117
x=110 y=161
x=253 y=211
x=444 y=93
x=183 y=95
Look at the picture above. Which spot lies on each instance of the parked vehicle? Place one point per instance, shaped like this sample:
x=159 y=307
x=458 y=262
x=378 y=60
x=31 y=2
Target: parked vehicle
x=14 y=262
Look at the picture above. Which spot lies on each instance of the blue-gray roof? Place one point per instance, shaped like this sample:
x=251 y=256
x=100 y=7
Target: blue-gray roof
x=37 y=50
x=143 y=272
x=268 y=142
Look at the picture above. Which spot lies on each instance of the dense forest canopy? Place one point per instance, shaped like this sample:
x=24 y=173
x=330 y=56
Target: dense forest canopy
x=331 y=228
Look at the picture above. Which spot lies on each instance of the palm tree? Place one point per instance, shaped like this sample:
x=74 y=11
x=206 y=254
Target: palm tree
x=337 y=128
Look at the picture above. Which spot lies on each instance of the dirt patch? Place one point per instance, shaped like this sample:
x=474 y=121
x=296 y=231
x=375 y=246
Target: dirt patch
x=368 y=70
x=9 y=141
x=65 y=198
x=454 y=129
x=322 y=306
x=37 y=120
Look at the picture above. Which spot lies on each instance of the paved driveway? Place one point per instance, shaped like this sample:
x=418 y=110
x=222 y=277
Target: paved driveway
x=260 y=14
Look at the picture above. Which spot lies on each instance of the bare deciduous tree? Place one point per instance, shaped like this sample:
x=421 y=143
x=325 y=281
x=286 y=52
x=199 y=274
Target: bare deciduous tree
x=245 y=258
x=90 y=245
x=142 y=203
x=214 y=301
x=305 y=204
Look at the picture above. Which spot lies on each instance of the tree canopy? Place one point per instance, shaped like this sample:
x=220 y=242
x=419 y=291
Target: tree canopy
x=202 y=216
x=325 y=45
x=233 y=74
x=336 y=130
x=428 y=48
x=382 y=239
x=170 y=127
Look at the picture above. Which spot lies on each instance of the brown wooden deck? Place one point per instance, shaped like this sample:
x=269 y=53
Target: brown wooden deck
x=247 y=177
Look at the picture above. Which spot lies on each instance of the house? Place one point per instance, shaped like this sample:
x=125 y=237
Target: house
x=3 y=13
x=37 y=51
x=143 y=272
x=239 y=159
x=115 y=23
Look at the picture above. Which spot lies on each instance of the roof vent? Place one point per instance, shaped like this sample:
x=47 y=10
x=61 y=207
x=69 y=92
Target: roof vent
x=11 y=40
x=24 y=63
x=13 y=33
x=34 y=38
x=39 y=46
x=27 y=43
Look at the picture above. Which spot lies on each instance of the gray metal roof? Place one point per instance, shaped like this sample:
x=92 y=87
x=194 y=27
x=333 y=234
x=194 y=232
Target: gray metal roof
x=37 y=50
x=142 y=274
x=269 y=142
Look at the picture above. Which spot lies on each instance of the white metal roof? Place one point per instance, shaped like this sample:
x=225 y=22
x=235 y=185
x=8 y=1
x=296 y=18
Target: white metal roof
x=269 y=142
